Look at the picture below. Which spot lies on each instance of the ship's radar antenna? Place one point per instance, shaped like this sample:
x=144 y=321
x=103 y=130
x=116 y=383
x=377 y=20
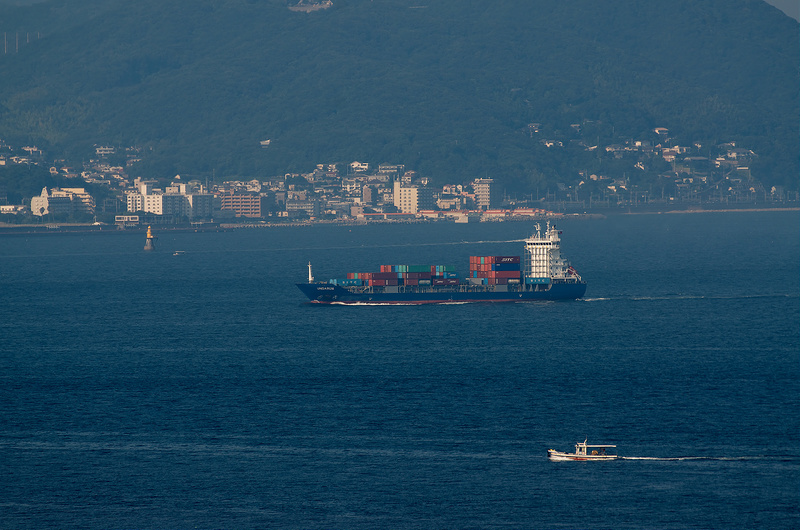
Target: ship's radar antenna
x=310 y=276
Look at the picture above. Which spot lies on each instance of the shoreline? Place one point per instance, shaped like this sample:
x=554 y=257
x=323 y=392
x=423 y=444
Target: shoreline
x=725 y=210
x=79 y=228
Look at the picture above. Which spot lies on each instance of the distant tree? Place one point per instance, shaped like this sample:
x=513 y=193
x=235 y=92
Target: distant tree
x=23 y=181
x=299 y=183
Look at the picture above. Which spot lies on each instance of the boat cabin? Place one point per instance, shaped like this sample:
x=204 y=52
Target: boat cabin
x=584 y=449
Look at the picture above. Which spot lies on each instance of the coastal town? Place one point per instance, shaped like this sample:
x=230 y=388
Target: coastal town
x=101 y=190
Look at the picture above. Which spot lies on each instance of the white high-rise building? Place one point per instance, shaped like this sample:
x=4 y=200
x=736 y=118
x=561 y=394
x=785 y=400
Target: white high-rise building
x=409 y=198
x=485 y=193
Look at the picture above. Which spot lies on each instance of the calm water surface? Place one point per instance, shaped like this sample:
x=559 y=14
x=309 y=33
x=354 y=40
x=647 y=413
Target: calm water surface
x=200 y=391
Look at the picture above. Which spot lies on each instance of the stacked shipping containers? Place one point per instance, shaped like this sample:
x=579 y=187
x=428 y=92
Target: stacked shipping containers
x=494 y=270
x=483 y=270
x=391 y=275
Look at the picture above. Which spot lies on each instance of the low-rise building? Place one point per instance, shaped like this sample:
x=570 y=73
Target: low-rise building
x=296 y=208
x=245 y=204
x=181 y=200
x=103 y=150
x=359 y=167
x=67 y=201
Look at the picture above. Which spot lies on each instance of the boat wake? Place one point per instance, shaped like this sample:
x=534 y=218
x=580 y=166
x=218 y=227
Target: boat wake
x=671 y=297
x=709 y=297
x=373 y=304
x=711 y=458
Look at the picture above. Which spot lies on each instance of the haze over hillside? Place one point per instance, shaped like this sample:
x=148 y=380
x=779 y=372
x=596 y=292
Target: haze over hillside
x=448 y=88
x=790 y=7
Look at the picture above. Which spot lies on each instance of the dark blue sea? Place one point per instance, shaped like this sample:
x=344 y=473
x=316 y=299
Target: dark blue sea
x=148 y=390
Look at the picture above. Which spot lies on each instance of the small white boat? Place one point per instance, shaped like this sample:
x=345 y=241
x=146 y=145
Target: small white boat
x=584 y=451
x=179 y=253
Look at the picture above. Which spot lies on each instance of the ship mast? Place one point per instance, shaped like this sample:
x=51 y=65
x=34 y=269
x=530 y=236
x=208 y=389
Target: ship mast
x=310 y=276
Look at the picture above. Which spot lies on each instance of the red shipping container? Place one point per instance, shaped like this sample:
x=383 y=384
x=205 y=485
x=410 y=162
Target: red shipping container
x=502 y=274
x=412 y=281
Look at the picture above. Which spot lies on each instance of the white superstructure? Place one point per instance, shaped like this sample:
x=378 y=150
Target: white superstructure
x=542 y=261
x=584 y=451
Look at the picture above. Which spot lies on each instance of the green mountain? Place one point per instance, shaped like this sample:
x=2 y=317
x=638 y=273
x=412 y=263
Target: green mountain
x=446 y=87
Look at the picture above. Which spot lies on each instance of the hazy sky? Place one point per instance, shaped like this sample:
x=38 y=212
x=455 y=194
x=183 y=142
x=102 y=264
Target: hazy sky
x=790 y=7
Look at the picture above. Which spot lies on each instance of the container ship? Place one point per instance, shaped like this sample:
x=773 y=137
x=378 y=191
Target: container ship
x=539 y=274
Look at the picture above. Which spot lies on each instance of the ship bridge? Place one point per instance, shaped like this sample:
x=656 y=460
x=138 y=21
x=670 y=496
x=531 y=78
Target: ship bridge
x=542 y=261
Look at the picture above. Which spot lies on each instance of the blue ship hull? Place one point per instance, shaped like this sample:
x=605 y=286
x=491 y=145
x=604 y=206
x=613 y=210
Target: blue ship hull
x=327 y=293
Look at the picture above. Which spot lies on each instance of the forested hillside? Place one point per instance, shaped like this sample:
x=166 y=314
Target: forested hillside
x=448 y=88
